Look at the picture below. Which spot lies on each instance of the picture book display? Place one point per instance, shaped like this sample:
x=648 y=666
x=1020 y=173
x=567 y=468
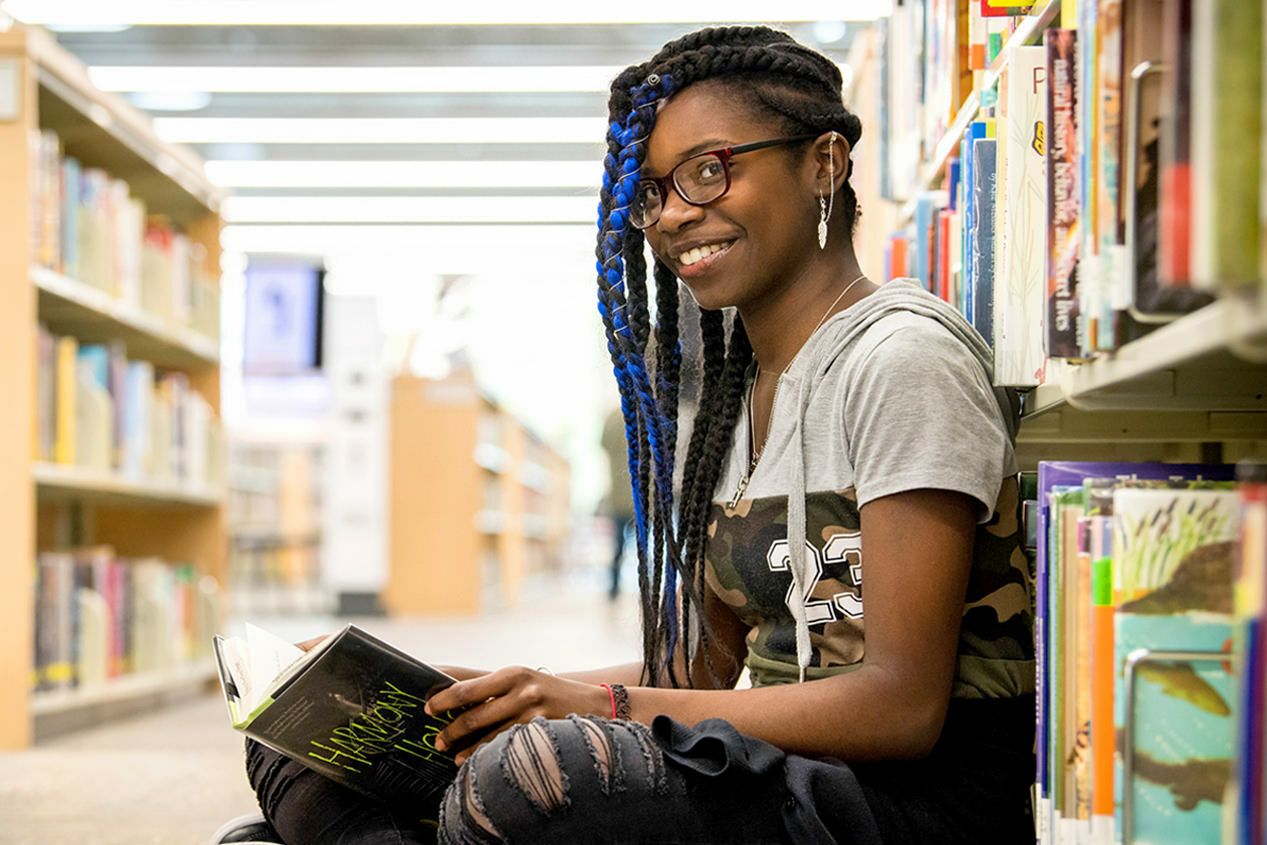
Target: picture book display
x=352 y=708
x=1173 y=559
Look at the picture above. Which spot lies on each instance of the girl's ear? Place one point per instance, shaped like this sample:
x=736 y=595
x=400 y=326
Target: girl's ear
x=831 y=161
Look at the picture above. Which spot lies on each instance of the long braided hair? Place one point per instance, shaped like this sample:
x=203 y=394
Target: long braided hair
x=799 y=91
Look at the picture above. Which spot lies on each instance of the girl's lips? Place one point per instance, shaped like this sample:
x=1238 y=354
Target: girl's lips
x=702 y=266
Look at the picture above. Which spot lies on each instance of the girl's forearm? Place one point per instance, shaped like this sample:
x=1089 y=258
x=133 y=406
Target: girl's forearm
x=629 y=674
x=864 y=715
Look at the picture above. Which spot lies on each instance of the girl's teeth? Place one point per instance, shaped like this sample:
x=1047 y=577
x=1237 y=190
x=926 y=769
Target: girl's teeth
x=693 y=255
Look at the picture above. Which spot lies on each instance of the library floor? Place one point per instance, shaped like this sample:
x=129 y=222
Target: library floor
x=170 y=777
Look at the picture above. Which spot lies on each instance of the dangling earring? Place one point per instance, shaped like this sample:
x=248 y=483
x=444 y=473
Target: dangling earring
x=825 y=206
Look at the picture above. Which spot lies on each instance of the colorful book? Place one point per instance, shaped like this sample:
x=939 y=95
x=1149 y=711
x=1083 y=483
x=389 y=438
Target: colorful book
x=1061 y=339
x=1173 y=558
x=351 y=709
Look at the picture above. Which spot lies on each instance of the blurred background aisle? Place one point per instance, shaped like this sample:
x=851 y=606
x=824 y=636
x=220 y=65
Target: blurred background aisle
x=173 y=775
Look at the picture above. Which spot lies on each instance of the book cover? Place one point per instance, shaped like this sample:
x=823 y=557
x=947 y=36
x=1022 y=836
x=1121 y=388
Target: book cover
x=1067 y=474
x=1018 y=293
x=1061 y=337
x=1173 y=558
x=351 y=709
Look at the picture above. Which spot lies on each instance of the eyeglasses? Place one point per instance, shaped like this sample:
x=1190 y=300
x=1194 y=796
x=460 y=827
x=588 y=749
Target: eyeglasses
x=698 y=180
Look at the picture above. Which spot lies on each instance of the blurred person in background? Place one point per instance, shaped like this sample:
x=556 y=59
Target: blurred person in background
x=620 y=506
x=845 y=433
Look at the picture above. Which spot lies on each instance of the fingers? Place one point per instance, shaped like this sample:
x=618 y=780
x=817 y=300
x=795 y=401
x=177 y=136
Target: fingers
x=487 y=705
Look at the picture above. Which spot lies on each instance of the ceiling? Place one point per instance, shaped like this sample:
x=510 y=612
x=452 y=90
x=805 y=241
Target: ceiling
x=339 y=137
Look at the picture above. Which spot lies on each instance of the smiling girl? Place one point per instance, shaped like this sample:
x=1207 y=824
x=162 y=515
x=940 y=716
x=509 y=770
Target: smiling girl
x=843 y=523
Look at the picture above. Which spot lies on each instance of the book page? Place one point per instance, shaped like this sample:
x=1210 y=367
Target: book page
x=268 y=656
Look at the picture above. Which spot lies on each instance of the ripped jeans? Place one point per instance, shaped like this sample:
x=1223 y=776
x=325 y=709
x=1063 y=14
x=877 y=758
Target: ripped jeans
x=586 y=779
x=576 y=780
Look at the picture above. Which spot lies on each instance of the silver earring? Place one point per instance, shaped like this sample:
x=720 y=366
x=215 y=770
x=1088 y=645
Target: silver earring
x=822 y=221
x=826 y=206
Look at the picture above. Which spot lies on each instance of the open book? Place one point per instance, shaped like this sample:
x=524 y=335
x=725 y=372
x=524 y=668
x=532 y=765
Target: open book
x=351 y=709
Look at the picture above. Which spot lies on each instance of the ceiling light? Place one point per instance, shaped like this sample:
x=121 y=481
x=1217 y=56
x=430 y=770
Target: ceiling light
x=514 y=250
x=326 y=79
x=170 y=100
x=411 y=12
x=534 y=210
x=401 y=130
x=406 y=174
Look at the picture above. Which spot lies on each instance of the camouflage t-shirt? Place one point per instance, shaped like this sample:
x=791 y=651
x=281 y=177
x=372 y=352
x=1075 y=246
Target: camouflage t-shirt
x=898 y=404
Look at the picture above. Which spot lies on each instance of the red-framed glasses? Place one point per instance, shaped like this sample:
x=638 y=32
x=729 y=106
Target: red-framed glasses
x=698 y=180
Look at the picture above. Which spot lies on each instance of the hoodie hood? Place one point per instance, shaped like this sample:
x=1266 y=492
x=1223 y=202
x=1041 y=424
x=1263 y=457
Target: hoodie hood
x=808 y=371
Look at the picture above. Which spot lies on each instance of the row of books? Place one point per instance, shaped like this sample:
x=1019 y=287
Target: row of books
x=1134 y=561
x=95 y=408
x=1109 y=180
x=99 y=616
x=89 y=226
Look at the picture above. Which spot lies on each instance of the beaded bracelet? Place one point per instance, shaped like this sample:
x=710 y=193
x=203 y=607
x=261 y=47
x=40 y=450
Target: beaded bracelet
x=620 y=700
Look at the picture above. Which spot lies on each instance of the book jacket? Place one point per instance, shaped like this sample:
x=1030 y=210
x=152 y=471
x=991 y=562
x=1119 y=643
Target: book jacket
x=355 y=714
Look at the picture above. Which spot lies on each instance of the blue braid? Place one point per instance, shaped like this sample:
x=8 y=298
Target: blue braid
x=634 y=382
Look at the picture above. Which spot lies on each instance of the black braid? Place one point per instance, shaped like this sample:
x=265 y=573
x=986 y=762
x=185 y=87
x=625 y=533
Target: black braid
x=799 y=92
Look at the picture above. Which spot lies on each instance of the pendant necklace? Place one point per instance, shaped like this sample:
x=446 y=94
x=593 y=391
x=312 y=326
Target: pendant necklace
x=753 y=449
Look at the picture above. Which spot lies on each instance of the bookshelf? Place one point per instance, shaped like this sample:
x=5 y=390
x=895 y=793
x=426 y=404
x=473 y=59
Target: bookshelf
x=174 y=516
x=1136 y=387
x=478 y=502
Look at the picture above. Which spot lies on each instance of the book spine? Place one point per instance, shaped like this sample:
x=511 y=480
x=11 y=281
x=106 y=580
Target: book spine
x=985 y=191
x=67 y=382
x=1063 y=236
x=1019 y=306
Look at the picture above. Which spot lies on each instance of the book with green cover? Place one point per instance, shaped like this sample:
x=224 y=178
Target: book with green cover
x=351 y=708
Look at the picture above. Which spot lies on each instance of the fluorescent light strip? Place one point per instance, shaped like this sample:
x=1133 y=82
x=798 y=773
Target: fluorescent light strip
x=441 y=248
x=413 y=13
x=395 y=130
x=585 y=175
x=358 y=79
x=581 y=209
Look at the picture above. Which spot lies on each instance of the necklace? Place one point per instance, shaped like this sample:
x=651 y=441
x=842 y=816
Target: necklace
x=753 y=448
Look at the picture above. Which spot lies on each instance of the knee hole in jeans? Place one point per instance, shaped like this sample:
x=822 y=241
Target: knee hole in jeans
x=530 y=762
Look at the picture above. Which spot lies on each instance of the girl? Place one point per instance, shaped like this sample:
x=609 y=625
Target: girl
x=846 y=434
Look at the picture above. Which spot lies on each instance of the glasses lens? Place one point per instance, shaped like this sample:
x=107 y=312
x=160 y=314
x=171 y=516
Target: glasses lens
x=646 y=205
x=701 y=179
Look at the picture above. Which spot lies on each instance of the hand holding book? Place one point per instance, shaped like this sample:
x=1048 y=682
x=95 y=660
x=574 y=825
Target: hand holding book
x=493 y=702
x=350 y=707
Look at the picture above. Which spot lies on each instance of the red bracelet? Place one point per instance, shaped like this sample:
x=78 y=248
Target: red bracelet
x=613 y=698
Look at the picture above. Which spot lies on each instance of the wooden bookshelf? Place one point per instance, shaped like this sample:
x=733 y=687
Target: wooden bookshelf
x=68 y=306
x=478 y=502
x=86 y=484
x=49 y=505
